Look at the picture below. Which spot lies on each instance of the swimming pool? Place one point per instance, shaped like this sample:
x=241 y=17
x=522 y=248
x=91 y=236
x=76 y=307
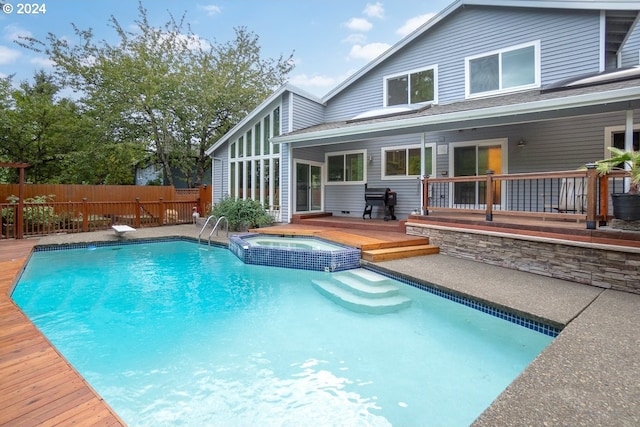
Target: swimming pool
x=172 y=335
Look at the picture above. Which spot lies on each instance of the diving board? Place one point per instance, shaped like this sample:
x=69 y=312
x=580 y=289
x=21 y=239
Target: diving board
x=121 y=229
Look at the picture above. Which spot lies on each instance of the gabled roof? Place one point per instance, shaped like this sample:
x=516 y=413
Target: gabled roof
x=619 y=5
x=259 y=110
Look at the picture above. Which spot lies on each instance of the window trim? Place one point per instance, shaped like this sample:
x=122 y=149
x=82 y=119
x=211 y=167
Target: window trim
x=325 y=177
x=500 y=52
x=388 y=77
x=383 y=165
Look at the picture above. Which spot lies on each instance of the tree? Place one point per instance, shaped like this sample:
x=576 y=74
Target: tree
x=60 y=142
x=165 y=88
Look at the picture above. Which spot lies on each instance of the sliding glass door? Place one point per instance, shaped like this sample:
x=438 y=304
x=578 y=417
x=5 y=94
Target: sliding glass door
x=475 y=159
x=308 y=187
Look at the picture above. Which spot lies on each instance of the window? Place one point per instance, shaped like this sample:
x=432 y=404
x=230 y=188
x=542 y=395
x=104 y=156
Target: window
x=505 y=70
x=346 y=167
x=403 y=162
x=254 y=169
x=411 y=88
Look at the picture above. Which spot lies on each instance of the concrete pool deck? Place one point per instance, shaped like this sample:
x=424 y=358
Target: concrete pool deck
x=588 y=376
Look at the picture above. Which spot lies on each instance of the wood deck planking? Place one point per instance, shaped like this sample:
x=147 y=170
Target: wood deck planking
x=38 y=387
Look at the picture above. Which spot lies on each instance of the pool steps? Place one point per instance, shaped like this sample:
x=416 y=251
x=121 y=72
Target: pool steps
x=362 y=291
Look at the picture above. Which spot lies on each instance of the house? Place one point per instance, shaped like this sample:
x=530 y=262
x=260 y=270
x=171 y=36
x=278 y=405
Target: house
x=508 y=86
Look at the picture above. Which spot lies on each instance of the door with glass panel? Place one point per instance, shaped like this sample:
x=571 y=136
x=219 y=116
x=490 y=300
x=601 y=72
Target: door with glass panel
x=308 y=187
x=476 y=160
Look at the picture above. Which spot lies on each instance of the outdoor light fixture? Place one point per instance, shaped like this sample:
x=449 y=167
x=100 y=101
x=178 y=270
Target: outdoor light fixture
x=521 y=143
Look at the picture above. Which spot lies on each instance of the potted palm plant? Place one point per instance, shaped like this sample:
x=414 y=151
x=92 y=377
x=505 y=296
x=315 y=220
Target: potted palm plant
x=626 y=206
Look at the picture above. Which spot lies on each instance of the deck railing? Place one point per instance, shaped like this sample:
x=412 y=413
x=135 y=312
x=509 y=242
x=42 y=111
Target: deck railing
x=577 y=194
x=44 y=218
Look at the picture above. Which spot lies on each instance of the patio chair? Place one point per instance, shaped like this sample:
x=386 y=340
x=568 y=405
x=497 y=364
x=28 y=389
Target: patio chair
x=572 y=196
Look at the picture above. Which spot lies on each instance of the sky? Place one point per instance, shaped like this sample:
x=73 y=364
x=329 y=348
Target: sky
x=329 y=39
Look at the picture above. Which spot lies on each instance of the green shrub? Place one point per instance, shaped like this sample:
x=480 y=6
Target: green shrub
x=33 y=213
x=242 y=214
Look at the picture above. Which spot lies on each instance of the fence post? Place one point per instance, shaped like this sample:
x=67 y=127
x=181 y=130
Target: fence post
x=592 y=195
x=18 y=225
x=85 y=215
x=489 y=196
x=603 y=184
x=161 y=213
x=205 y=198
x=139 y=207
x=425 y=195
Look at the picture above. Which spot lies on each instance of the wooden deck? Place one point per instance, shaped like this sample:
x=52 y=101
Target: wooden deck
x=38 y=387
x=561 y=229
x=378 y=240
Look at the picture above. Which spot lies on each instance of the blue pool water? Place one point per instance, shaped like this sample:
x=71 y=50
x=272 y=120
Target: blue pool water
x=172 y=334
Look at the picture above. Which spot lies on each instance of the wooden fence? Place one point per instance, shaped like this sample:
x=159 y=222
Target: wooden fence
x=101 y=193
x=80 y=208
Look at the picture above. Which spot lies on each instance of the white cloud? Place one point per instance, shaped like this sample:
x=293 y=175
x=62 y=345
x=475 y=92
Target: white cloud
x=318 y=84
x=413 y=23
x=355 y=39
x=8 y=56
x=369 y=51
x=359 y=24
x=13 y=32
x=374 y=10
x=316 y=81
x=42 y=62
x=212 y=9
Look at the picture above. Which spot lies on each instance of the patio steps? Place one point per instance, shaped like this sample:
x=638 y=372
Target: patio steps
x=399 y=252
x=362 y=291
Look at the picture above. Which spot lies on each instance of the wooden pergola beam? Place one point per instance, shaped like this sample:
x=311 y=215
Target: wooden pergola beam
x=19 y=219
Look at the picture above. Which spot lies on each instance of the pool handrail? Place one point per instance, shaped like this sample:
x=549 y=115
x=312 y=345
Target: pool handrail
x=205 y=226
x=215 y=228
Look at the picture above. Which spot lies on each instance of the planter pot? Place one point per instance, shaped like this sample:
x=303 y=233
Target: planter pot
x=626 y=206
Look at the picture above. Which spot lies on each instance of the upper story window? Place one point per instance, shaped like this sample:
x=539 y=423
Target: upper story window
x=513 y=68
x=411 y=88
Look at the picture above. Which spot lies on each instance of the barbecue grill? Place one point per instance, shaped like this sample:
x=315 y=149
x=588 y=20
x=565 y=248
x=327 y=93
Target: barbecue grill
x=379 y=197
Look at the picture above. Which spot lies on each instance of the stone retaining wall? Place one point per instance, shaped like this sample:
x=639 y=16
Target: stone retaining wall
x=597 y=265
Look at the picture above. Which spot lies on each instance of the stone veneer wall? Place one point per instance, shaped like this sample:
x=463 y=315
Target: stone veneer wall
x=591 y=264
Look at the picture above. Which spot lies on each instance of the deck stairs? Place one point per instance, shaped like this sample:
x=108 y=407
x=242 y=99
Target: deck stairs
x=362 y=291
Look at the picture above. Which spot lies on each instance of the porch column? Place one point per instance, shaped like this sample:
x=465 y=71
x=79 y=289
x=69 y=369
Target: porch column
x=592 y=188
x=628 y=131
x=422 y=176
x=628 y=143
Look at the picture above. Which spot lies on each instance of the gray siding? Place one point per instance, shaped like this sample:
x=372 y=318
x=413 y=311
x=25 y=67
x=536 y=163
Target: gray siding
x=306 y=112
x=631 y=49
x=569 y=46
x=284 y=183
x=348 y=200
x=220 y=173
x=552 y=145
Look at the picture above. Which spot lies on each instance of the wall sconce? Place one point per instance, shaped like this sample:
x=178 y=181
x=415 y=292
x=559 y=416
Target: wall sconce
x=521 y=143
x=370 y=159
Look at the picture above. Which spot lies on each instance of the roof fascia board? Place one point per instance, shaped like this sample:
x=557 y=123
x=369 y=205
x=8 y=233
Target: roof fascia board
x=258 y=110
x=619 y=95
x=563 y=4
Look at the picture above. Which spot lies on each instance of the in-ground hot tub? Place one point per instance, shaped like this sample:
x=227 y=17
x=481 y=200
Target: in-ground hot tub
x=301 y=252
